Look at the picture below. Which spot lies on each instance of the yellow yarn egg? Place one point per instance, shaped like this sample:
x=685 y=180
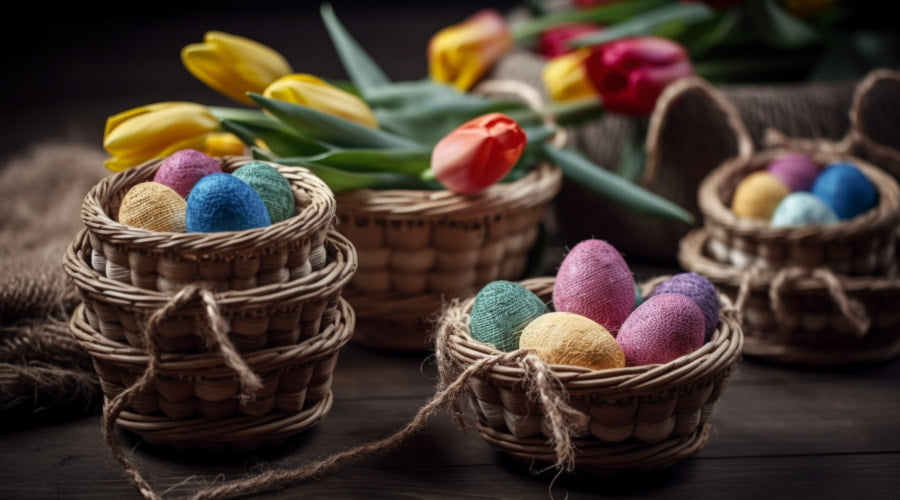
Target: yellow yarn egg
x=565 y=338
x=758 y=194
x=153 y=206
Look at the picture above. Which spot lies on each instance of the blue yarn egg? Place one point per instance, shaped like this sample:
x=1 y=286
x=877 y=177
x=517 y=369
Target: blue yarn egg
x=222 y=202
x=801 y=208
x=844 y=188
x=500 y=311
x=271 y=186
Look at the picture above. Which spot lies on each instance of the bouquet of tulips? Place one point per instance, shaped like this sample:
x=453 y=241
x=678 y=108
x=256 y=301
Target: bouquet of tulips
x=368 y=133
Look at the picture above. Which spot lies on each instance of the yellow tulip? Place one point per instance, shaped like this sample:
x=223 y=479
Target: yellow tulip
x=565 y=78
x=156 y=130
x=234 y=65
x=461 y=53
x=313 y=92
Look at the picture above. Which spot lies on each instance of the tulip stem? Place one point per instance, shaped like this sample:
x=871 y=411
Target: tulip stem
x=604 y=15
x=562 y=113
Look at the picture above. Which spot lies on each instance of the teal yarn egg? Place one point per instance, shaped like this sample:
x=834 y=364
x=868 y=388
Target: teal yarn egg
x=802 y=208
x=222 y=202
x=500 y=312
x=271 y=186
x=844 y=188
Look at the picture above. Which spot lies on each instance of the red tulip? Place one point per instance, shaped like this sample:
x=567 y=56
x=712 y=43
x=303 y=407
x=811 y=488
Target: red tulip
x=478 y=153
x=553 y=41
x=631 y=73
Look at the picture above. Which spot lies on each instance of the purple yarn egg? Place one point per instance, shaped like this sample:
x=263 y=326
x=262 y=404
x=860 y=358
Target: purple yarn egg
x=701 y=290
x=796 y=170
x=663 y=328
x=182 y=169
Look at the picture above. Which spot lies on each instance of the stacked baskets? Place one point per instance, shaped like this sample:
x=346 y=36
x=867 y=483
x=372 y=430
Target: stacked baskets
x=817 y=295
x=234 y=336
x=617 y=420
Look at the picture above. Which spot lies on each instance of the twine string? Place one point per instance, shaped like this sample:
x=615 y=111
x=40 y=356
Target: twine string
x=850 y=308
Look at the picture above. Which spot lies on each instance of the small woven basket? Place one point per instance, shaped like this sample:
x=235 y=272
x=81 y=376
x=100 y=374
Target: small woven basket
x=279 y=314
x=229 y=260
x=195 y=401
x=863 y=245
x=802 y=316
x=625 y=419
x=417 y=248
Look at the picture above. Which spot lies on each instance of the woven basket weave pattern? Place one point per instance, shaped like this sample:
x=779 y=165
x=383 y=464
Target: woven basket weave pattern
x=227 y=261
x=863 y=245
x=632 y=411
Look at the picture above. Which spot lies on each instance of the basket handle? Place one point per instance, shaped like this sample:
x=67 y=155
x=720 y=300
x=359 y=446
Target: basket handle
x=875 y=106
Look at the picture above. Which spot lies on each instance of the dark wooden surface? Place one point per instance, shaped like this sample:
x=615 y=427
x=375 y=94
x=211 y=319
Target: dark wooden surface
x=777 y=432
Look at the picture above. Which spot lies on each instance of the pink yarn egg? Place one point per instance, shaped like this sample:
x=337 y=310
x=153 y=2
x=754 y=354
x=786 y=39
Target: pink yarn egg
x=594 y=281
x=182 y=169
x=796 y=170
x=663 y=328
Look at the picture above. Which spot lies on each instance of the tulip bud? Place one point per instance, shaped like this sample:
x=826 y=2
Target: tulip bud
x=552 y=42
x=157 y=130
x=313 y=92
x=478 y=153
x=233 y=65
x=461 y=53
x=631 y=73
x=565 y=78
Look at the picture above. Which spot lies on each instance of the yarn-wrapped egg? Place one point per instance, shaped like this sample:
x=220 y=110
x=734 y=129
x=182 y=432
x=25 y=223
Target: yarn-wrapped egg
x=271 y=186
x=844 y=188
x=663 y=328
x=701 y=290
x=222 y=202
x=500 y=311
x=153 y=206
x=757 y=195
x=802 y=208
x=565 y=338
x=182 y=169
x=593 y=280
x=796 y=170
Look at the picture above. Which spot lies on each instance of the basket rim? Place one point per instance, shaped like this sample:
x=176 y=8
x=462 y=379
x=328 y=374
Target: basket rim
x=332 y=338
x=535 y=188
x=692 y=257
x=722 y=351
x=335 y=275
x=718 y=214
x=317 y=215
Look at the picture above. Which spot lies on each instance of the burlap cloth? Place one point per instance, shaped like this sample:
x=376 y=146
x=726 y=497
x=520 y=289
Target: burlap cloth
x=43 y=371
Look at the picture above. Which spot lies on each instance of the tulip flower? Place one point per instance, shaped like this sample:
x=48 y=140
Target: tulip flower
x=157 y=130
x=565 y=78
x=313 y=92
x=478 y=153
x=629 y=74
x=461 y=53
x=234 y=65
x=552 y=41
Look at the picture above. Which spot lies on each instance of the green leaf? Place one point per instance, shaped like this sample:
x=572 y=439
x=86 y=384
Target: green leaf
x=340 y=181
x=608 y=185
x=633 y=157
x=431 y=121
x=410 y=162
x=329 y=128
x=777 y=27
x=669 y=20
x=607 y=14
x=360 y=67
x=277 y=137
x=710 y=34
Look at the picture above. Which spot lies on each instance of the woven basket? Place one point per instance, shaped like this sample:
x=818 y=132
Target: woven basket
x=165 y=261
x=417 y=248
x=862 y=245
x=279 y=314
x=194 y=400
x=633 y=418
x=803 y=316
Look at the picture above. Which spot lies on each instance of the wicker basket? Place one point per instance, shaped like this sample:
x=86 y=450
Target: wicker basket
x=633 y=418
x=279 y=314
x=165 y=261
x=863 y=245
x=193 y=400
x=810 y=317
